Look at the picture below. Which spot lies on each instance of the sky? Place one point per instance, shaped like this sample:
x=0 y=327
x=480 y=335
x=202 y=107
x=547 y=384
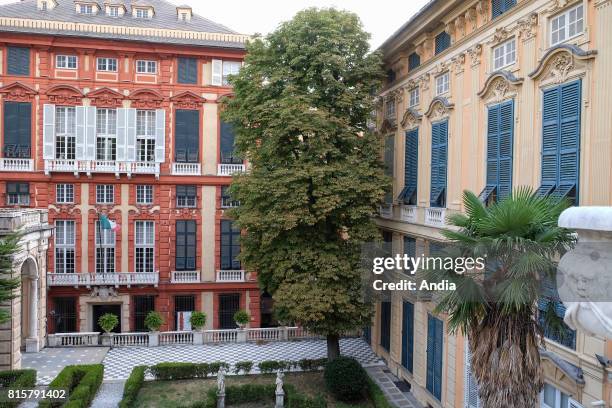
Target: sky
x=380 y=18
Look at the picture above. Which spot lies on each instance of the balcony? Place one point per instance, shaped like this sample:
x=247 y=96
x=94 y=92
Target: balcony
x=386 y=210
x=186 y=169
x=101 y=166
x=435 y=217
x=227 y=169
x=89 y=279
x=230 y=276
x=185 y=277
x=10 y=164
x=408 y=213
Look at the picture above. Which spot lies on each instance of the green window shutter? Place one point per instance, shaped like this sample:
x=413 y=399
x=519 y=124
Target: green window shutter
x=18 y=61
x=187 y=71
x=442 y=42
x=550 y=146
x=187 y=138
x=185 y=245
x=17 y=129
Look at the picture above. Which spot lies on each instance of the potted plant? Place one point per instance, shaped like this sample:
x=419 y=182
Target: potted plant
x=154 y=321
x=242 y=318
x=108 y=322
x=197 y=320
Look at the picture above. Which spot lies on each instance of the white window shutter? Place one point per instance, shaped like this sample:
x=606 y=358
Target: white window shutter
x=217 y=72
x=121 y=134
x=130 y=150
x=81 y=126
x=574 y=404
x=471 y=387
x=48 y=132
x=90 y=133
x=160 y=135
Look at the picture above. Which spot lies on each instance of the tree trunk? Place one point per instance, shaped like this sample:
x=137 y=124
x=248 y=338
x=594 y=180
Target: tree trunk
x=506 y=360
x=333 y=346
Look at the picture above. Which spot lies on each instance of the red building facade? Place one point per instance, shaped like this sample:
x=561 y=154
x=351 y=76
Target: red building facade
x=113 y=109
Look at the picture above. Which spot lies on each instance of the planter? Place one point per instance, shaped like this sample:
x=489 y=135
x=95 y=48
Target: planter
x=153 y=339
x=107 y=339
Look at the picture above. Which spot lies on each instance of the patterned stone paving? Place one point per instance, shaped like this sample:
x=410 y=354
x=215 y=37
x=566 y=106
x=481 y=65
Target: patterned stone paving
x=50 y=361
x=393 y=388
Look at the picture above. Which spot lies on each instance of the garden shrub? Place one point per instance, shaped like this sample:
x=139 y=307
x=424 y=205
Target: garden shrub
x=197 y=320
x=294 y=399
x=15 y=380
x=308 y=364
x=184 y=371
x=133 y=386
x=213 y=368
x=345 y=379
x=241 y=317
x=108 y=322
x=272 y=366
x=238 y=394
x=154 y=321
x=243 y=366
x=82 y=383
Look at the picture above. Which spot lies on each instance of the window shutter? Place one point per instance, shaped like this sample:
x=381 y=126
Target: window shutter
x=90 y=133
x=497 y=8
x=121 y=134
x=18 y=61
x=411 y=157
x=160 y=135
x=414 y=60
x=439 y=140
x=192 y=70
x=471 y=398
x=431 y=332
x=550 y=131
x=217 y=72
x=130 y=135
x=408 y=336
x=492 y=147
x=506 y=130
x=11 y=125
x=442 y=42
x=48 y=131
x=81 y=126
x=437 y=389
x=569 y=138
x=574 y=404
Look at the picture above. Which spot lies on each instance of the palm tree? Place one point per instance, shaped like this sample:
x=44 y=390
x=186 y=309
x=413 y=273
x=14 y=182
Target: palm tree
x=496 y=306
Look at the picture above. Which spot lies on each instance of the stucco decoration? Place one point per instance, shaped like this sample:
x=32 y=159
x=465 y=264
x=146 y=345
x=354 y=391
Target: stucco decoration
x=106 y=98
x=500 y=85
x=470 y=17
x=558 y=5
x=458 y=63
x=560 y=61
x=584 y=274
x=500 y=34
x=64 y=95
x=475 y=52
x=424 y=79
x=398 y=95
x=460 y=24
x=17 y=92
x=564 y=374
x=187 y=100
x=527 y=27
x=482 y=7
x=439 y=108
x=411 y=119
x=146 y=99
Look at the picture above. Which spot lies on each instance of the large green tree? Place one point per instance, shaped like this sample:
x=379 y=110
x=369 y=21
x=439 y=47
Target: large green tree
x=8 y=285
x=496 y=308
x=300 y=109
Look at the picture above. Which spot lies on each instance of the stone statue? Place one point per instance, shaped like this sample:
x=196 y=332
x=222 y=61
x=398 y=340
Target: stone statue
x=584 y=274
x=279 y=382
x=221 y=381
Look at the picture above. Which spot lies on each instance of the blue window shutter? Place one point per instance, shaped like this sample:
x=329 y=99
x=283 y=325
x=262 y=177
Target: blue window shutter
x=437 y=389
x=385 y=325
x=442 y=42
x=550 y=132
x=431 y=333
x=506 y=133
x=499 y=7
x=493 y=146
x=18 y=61
x=569 y=138
x=408 y=336
x=414 y=60
x=411 y=157
x=439 y=157
x=187 y=135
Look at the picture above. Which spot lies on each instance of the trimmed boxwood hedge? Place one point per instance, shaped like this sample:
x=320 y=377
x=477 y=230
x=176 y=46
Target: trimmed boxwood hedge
x=133 y=386
x=185 y=371
x=82 y=383
x=15 y=380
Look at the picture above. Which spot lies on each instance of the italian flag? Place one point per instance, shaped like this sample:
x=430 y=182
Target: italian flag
x=107 y=224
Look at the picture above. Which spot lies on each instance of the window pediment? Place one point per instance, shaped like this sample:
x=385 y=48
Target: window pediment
x=439 y=108
x=560 y=61
x=411 y=119
x=106 y=98
x=500 y=85
x=187 y=100
x=146 y=99
x=64 y=95
x=18 y=92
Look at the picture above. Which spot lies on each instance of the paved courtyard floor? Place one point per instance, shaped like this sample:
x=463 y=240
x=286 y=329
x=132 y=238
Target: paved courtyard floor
x=50 y=361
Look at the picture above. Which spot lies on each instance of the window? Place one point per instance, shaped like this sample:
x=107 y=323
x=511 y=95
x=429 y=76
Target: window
x=107 y=64
x=17 y=129
x=146 y=67
x=390 y=109
x=229 y=304
x=18 y=61
x=391 y=76
x=230 y=246
x=142 y=13
x=567 y=25
x=442 y=84
x=442 y=42
x=230 y=68
x=499 y=7
x=187 y=138
x=385 y=325
x=561 y=108
x=185 y=245
x=65 y=131
x=17 y=193
x=144 y=194
x=226 y=198
x=145 y=246
x=106 y=134
x=187 y=71
x=86 y=9
x=113 y=11
x=65 y=316
x=407 y=335
x=43 y=6
x=414 y=60
x=183 y=306
x=64 y=246
x=64 y=193
x=183 y=16
x=227 y=144
x=439 y=156
x=500 y=129
x=66 y=61
x=142 y=306
x=414 y=97
x=145 y=135
x=504 y=54
x=434 y=356
x=408 y=195
x=550 y=306
x=105 y=193
x=186 y=196
x=105 y=250
x=552 y=397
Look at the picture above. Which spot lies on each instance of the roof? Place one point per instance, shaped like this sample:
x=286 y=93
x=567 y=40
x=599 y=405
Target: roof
x=165 y=18
x=410 y=21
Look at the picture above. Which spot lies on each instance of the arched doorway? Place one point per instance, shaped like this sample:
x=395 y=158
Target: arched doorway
x=29 y=305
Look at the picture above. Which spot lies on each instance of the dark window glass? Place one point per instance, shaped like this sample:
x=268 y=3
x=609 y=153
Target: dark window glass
x=187 y=70
x=17 y=193
x=230 y=246
x=65 y=314
x=385 y=325
x=226 y=198
x=227 y=144
x=186 y=196
x=443 y=41
x=187 y=138
x=229 y=304
x=185 y=245
x=142 y=306
x=183 y=303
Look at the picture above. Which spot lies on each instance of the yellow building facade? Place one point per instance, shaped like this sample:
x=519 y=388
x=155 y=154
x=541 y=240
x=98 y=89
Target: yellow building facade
x=486 y=96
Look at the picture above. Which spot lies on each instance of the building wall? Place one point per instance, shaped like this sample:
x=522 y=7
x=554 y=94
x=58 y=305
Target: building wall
x=473 y=87
x=85 y=86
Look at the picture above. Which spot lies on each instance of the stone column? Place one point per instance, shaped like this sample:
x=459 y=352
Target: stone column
x=32 y=340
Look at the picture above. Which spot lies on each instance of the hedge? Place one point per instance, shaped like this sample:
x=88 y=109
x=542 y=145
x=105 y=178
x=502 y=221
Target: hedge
x=238 y=394
x=15 y=380
x=184 y=371
x=133 y=386
x=82 y=383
